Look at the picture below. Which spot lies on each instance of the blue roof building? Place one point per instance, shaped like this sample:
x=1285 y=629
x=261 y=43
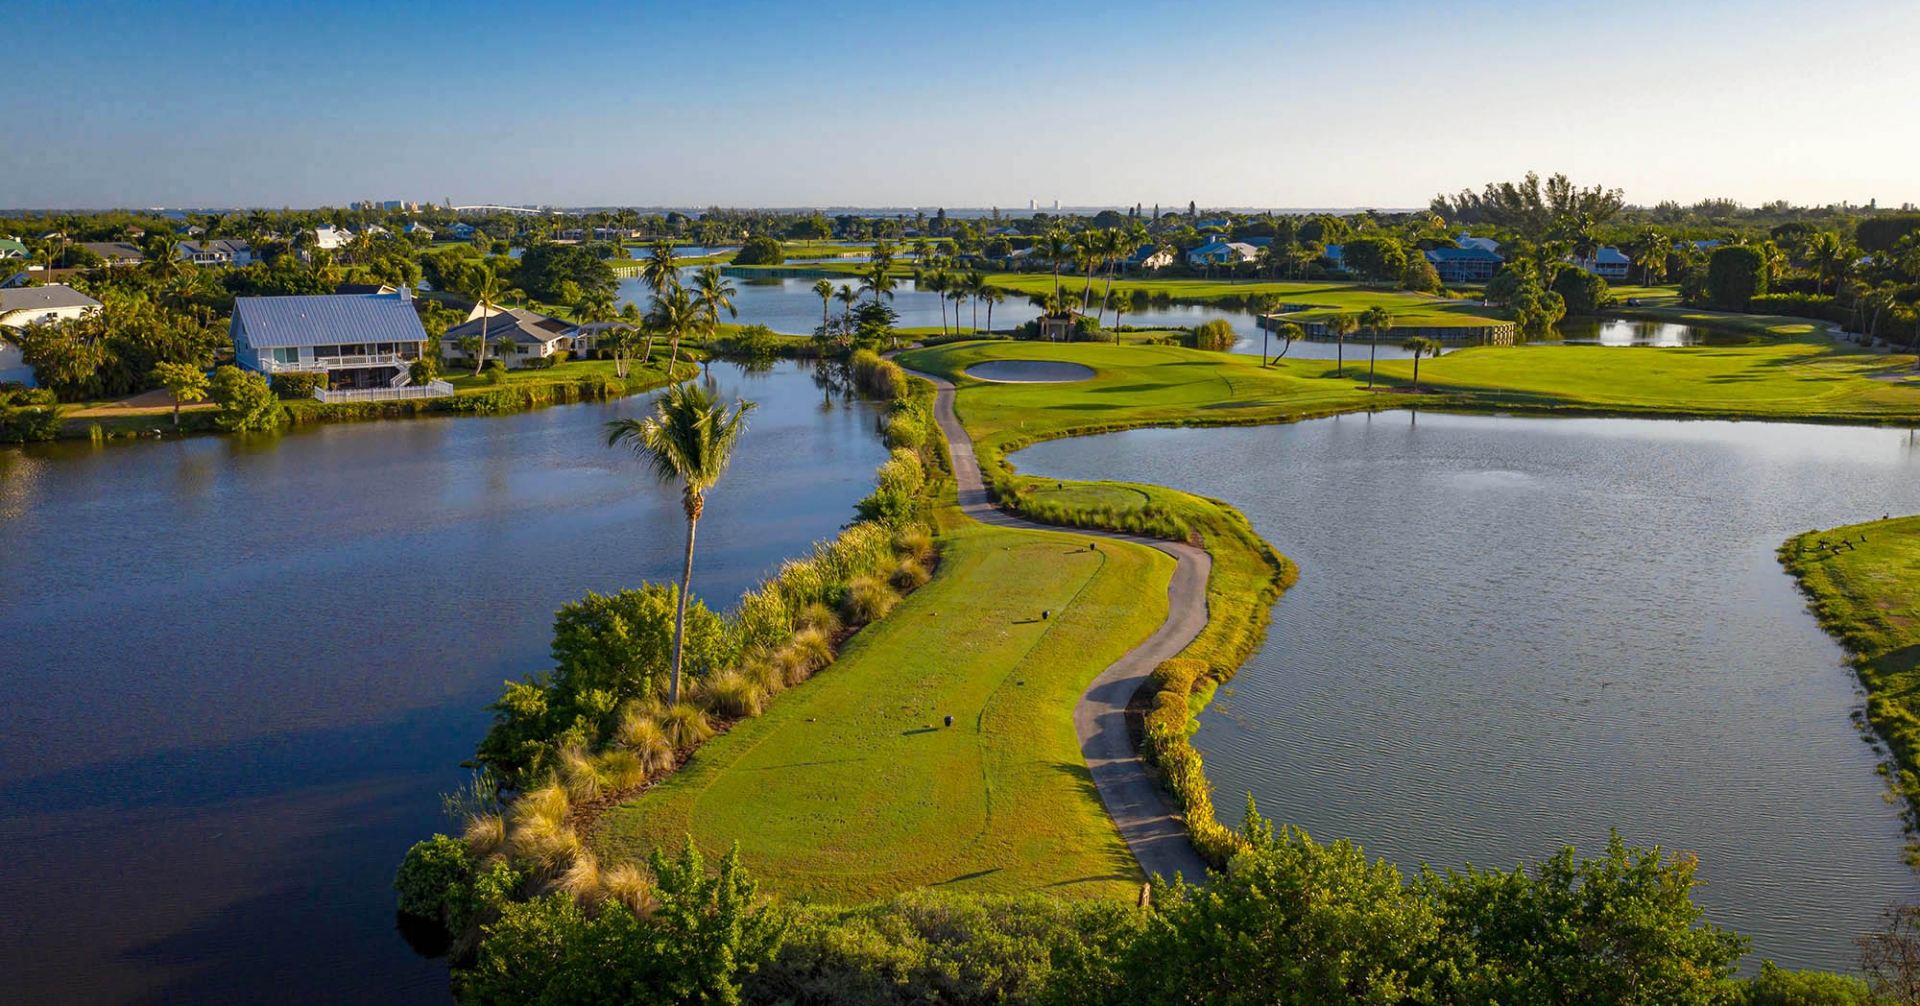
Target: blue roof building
x=1464 y=265
x=355 y=340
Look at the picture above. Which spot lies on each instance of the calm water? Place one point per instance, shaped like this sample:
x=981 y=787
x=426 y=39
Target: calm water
x=1624 y=332
x=239 y=673
x=1513 y=634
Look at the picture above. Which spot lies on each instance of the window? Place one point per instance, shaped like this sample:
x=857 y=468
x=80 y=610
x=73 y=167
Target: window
x=287 y=355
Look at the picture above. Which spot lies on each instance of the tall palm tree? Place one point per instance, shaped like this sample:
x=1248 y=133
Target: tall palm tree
x=1122 y=305
x=487 y=290
x=689 y=439
x=957 y=292
x=1374 y=320
x=1057 y=249
x=1289 y=334
x=992 y=295
x=975 y=283
x=675 y=314
x=1421 y=346
x=715 y=293
x=823 y=289
x=938 y=283
x=848 y=296
x=1113 y=245
x=1828 y=256
x=660 y=271
x=879 y=280
x=1086 y=255
x=1650 y=255
x=1342 y=325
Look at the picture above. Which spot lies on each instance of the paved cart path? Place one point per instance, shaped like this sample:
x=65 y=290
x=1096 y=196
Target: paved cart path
x=1157 y=838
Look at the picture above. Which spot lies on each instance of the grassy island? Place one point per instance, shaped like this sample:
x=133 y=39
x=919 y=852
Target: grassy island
x=1860 y=579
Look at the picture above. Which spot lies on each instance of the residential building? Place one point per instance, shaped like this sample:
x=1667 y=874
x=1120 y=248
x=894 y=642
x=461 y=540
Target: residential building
x=421 y=229
x=11 y=248
x=1222 y=253
x=535 y=336
x=1464 y=265
x=1608 y=264
x=1152 y=258
x=1467 y=240
x=460 y=231
x=219 y=251
x=36 y=305
x=116 y=252
x=40 y=304
x=358 y=341
x=328 y=237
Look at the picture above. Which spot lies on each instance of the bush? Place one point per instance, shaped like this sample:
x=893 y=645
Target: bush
x=760 y=251
x=495 y=372
x=435 y=877
x=1776 y=986
x=869 y=599
x=28 y=414
x=1420 y=275
x=245 y=400
x=296 y=385
x=1581 y=291
x=1799 y=305
x=1216 y=335
x=1735 y=275
x=878 y=378
x=424 y=371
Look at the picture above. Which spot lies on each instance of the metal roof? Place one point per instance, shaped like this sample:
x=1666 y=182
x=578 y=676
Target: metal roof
x=44 y=298
x=526 y=327
x=1462 y=254
x=327 y=320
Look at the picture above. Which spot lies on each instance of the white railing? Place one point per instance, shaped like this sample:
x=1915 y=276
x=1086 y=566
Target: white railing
x=322 y=364
x=401 y=379
x=437 y=389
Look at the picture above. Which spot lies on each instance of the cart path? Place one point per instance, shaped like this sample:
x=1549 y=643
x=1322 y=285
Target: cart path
x=1158 y=838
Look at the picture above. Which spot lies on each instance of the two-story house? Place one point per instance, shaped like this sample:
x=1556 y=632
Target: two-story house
x=359 y=341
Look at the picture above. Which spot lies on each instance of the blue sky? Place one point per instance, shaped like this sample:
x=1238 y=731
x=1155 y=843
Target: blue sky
x=215 y=103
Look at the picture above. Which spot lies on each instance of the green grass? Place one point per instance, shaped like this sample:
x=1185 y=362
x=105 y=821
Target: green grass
x=1866 y=598
x=1326 y=298
x=841 y=792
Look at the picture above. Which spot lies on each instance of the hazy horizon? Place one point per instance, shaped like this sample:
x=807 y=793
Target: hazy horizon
x=1289 y=105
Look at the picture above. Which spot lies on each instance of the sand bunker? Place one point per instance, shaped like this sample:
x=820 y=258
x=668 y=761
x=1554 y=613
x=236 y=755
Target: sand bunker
x=1029 y=372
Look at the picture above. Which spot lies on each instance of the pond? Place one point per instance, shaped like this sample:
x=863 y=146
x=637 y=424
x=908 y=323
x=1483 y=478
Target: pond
x=1512 y=634
x=1626 y=332
x=240 y=672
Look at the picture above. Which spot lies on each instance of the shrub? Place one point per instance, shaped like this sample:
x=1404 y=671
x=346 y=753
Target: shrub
x=1166 y=745
x=1776 y=986
x=245 y=400
x=28 y=414
x=868 y=599
x=914 y=542
x=685 y=725
x=296 y=385
x=495 y=372
x=733 y=695
x=434 y=874
x=1420 y=275
x=760 y=251
x=820 y=618
x=908 y=575
x=1735 y=275
x=643 y=736
x=1216 y=335
x=424 y=370
x=581 y=775
x=486 y=835
x=1581 y=291
x=878 y=378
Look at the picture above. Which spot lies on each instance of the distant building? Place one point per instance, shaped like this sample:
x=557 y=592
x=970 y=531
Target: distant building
x=327 y=237
x=41 y=304
x=1215 y=253
x=418 y=228
x=116 y=252
x=217 y=252
x=12 y=248
x=1151 y=258
x=460 y=231
x=1464 y=265
x=535 y=336
x=1608 y=264
x=358 y=341
x=36 y=305
x=1466 y=240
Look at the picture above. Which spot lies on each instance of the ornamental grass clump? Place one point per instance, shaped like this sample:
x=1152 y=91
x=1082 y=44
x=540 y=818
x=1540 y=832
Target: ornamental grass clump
x=642 y=735
x=821 y=617
x=630 y=885
x=908 y=575
x=686 y=725
x=868 y=599
x=623 y=770
x=732 y=695
x=485 y=835
x=582 y=879
x=537 y=830
x=580 y=773
x=915 y=543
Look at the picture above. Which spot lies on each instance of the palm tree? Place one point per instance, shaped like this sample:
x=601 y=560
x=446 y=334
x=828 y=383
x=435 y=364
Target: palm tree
x=975 y=283
x=660 y=271
x=823 y=290
x=1650 y=254
x=487 y=290
x=1342 y=325
x=474 y=347
x=1289 y=334
x=689 y=439
x=957 y=292
x=848 y=296
x=1086 y=255
x=1374 y=320
x=1122 y=305
x=504 y=347
x=878 y=279
x=1421 y=346
x=675 y=314
x=1056 y=248
x=937 y=283
x=992 y=295
x=1828 y=256
x=715 y=293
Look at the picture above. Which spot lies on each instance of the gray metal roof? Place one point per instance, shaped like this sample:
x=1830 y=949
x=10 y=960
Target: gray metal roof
x=122 y=251
x=232 y=246
x=526 y=327
x=44 y=298
x=327 y=320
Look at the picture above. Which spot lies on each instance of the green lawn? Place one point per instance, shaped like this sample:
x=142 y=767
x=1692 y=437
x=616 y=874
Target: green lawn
x=1322 y=298
x=849 y=788
x=1866 y=598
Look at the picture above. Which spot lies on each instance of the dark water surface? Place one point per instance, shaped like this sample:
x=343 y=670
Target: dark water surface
x=1513 y=634
x=238 y=673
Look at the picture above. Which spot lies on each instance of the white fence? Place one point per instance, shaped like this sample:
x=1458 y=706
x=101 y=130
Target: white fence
x=437 y=389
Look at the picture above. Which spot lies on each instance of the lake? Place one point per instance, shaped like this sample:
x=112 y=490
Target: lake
x=241 y=670
x=1512 y=634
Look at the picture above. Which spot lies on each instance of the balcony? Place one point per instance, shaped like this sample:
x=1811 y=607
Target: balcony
x=323 y=364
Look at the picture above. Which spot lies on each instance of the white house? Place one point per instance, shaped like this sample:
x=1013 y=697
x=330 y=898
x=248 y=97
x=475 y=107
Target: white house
x=1608 y=264
x=420 y=229
x=34 y=305
x=535 y=336
x=12 y=248
x=1150 y=257
x=358 y=341
x=219 y=251
x=1222 y=253
x=327 y=237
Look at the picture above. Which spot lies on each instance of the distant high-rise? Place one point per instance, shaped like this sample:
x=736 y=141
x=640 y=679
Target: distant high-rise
x=1031 y=206
x=1056 y=205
